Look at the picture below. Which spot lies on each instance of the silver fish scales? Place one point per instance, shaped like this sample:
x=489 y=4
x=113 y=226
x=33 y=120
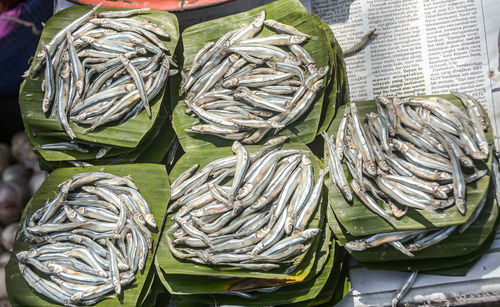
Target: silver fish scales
x=257 y=72
x=242 y=219
x=104 y=59
x=90 y=245
x=425 y=145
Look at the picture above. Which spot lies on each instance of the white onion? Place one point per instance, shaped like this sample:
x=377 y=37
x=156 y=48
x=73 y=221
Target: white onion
x=16 y=173
x=36 y=181
x=12 y=198
x=4 y=258
x=3 y=288
x=21 y=150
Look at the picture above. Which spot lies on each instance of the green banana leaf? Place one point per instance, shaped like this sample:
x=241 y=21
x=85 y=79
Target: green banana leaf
x=293 y=293
x=194 y=38
x=152 y=149
x=455 y=245
x=55 y=155
x=451 y=266
x=152 y=181
x=326 y=293
x=172 y=266
x=161 y=126
x=358 y=220
x=128 y=134
x=178 y=284
x=156 y=150
x=338 y=77
x=342 y=288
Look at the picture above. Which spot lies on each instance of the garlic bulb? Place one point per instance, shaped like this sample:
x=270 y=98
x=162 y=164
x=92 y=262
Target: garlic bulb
x=12 y=201
x=16 y=173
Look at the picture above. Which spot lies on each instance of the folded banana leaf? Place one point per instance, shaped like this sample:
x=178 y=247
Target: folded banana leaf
x=358 y=220
x=152 y=149
x=179 y=284
x=450 y=266
x=290 y=294
x=342 y=288
x=173 y=266
x=329 y=287
x=335 y=94
x=153 y=184
x=128 y=134
x=454 y=246
x=287 y=11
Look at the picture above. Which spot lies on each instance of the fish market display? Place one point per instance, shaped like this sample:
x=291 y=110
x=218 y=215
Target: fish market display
x=103 y=67
x=242 y=87
x=250 y=210
x=88 y=241
x=417 y=153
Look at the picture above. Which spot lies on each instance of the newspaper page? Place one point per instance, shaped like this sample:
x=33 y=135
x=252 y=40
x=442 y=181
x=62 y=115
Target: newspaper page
x=420 y=47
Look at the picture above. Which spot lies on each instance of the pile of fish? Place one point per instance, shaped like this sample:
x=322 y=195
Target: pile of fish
x=89 y=241
x=250 y=210
x=241 y=87
x=415 y=153
x=103 y=70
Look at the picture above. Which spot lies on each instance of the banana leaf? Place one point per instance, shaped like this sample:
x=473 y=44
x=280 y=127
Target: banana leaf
x=294 y=293
x=450 y=266
x=338 y=77
x=358 y=220
x=161 y=126
x=328 y=290
x=172 y=266
x=455 y=245
x=178 y=284
x=128 y=134
x=342 y=288
x=194 y=38
x=152 y=181
x=152 y=149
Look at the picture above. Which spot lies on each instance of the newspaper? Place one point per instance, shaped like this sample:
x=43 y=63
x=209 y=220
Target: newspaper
x=421 y=47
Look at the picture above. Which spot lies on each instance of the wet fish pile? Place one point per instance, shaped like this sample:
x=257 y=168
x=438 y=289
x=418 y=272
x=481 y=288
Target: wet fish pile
x=250 y=210
x=242 y=87
x=103 y=68
x=89 y=241
x=415 y=153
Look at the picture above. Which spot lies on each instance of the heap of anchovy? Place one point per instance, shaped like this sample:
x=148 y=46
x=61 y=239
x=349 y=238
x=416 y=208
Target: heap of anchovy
x=413 y=153
x=89 y=241
x=241 y=87
x=103 y=69
x=257 y=220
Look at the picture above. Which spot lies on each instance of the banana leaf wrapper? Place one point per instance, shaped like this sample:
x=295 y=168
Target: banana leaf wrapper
x=126 y=135
x=195 y=37
x=153 y=184
x=358 y=220
x=172 y=266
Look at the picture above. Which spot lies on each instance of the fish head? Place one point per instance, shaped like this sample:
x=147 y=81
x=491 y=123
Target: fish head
x=54 y=267
x=230 y=83
x=22 y=256
x=310 y=233
x=355 y=245
x=297 y=39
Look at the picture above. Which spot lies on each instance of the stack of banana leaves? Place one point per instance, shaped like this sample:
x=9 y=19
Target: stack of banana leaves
x=247 y=225
x=96 y=90
x=410 y=184
x=273 y=70
x=88 y=237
